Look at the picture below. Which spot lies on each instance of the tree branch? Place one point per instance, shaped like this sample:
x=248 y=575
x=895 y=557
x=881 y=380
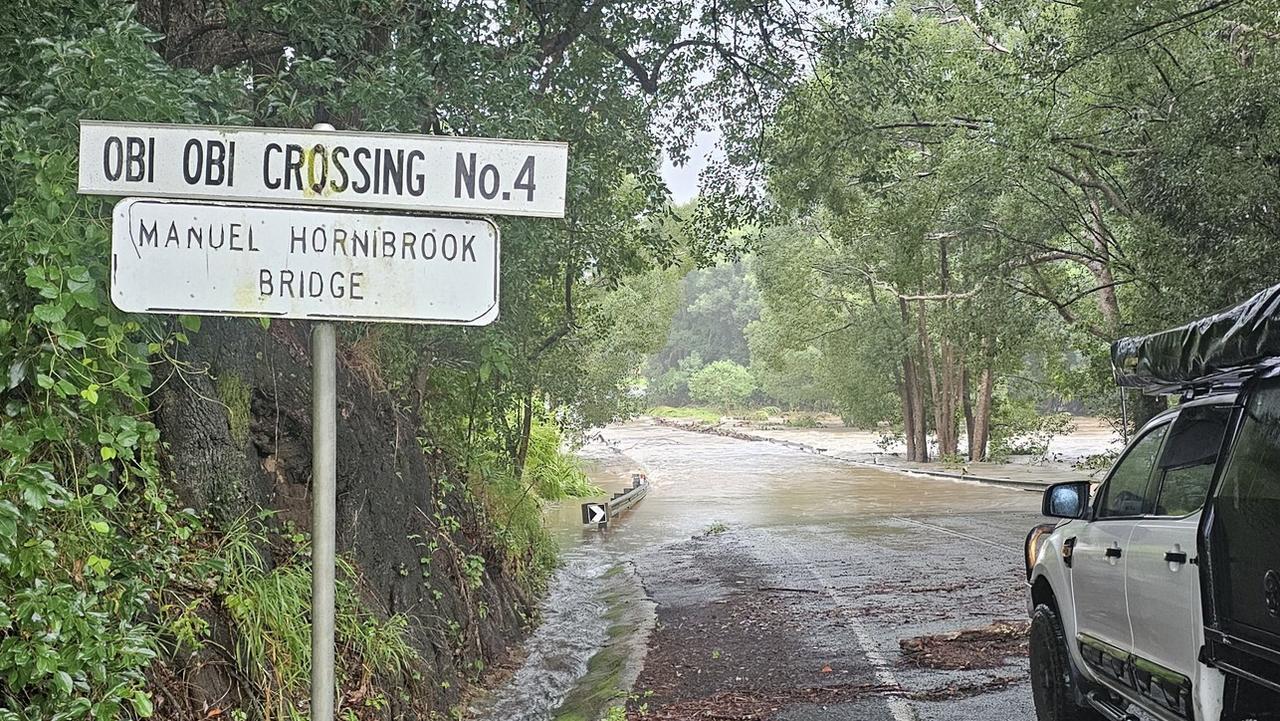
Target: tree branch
x=1112 y=196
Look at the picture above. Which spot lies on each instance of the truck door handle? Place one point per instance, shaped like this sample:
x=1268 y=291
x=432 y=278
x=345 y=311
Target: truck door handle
x=1114 y=552
x=1175 y=557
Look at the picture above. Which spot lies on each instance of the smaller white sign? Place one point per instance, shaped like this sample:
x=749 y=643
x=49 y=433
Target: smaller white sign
x=278 y=261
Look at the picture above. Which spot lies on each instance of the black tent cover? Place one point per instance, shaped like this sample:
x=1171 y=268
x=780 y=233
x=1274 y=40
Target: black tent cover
x=1220 y=346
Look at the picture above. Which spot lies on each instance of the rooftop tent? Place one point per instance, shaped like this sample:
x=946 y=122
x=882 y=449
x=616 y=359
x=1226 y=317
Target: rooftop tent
x=1215 y=348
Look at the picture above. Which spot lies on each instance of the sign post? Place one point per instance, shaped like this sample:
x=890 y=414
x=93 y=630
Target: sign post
x=324 y=399
x=276 y=222
x=324 y=511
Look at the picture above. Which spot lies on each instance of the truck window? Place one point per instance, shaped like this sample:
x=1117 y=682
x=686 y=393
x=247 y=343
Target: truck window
x=1247 y=526
x=1129 y=491
x=1188 y=459
x=1251 y=479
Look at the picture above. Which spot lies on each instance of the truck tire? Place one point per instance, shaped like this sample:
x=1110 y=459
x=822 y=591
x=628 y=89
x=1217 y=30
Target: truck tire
x=1052 y=681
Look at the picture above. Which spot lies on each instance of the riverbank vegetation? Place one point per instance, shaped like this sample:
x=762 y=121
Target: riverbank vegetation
x=963 y=205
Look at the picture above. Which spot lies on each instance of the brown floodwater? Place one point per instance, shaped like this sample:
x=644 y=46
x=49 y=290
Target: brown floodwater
x=698 y=482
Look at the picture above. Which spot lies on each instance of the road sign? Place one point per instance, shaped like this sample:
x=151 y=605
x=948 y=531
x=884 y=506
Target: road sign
x=172 y=256
x=595 y=513
x=323 y=167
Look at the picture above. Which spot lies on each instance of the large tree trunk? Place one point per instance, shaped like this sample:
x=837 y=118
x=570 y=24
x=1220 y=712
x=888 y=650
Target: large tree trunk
x=913 y=381
x=1108 y=303
x=980 y=430
x=949 y=402
x=966 y=392
x=981 y=438
x=908 y=408
x=943 y=385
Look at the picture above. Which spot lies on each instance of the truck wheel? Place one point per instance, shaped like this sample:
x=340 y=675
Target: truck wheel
x=1052 y=684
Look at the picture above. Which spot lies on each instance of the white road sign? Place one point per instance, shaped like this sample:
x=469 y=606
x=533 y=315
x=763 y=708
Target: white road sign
x=594 y=513
x=170 y=256
x=321 y=167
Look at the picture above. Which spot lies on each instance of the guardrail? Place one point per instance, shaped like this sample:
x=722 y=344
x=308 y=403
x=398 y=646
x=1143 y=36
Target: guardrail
x=602 y=513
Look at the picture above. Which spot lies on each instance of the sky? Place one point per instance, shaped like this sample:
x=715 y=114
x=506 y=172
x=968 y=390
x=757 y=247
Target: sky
x=683 y=180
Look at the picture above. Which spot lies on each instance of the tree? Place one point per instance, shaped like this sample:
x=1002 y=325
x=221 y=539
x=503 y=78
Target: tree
x=991 y=169
x=723 y=383
x=94 y=397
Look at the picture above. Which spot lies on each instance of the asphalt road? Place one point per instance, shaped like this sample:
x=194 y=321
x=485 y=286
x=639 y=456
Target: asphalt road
x=774 y=584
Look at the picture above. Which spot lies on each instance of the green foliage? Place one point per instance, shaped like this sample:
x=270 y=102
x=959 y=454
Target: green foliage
x=623 y=326
x=89 y=535
x=1019 y=428
x=723 y=383
x=672 y=385
x=515 y=503
x=817 y=344
x=270 y=610
x=802 y=420
x=234 y=394
x=1027 y=179
x=1097 y=462
x=703 y=415
x=717 y=304
x=551 y=470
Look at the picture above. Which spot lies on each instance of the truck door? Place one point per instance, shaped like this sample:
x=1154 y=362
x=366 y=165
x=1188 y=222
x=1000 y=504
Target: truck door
x=1161 y=583
x=1241 y=542
x=1098 y=569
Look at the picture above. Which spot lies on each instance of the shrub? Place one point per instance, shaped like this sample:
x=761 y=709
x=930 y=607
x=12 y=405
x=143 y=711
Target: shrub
x=1020 y=429
x=803 y=420
x=722 y=383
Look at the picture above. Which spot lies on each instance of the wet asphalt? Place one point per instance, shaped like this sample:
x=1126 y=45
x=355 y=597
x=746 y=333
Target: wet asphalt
x=774 y=584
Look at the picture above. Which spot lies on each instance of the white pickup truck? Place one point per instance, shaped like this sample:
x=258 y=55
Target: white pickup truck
x=1159 y=593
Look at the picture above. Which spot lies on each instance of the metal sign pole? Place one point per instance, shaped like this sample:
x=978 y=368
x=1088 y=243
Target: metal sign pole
x=324 y=405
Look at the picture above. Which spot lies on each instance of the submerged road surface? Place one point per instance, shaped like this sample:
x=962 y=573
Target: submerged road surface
x=760 y=582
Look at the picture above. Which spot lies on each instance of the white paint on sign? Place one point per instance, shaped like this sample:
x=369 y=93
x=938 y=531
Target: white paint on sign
x=321 y=167
x=596 y=513
x=171 y=256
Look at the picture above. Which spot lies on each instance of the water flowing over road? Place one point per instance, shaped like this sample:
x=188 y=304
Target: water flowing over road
x=757 y=579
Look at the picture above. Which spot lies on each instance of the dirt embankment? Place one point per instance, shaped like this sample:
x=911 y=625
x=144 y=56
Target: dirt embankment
x=239 y=436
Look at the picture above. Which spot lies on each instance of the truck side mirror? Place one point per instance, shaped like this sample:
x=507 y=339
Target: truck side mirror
x=1066 y=500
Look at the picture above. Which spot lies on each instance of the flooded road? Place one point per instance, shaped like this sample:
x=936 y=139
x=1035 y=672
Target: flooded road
x=758 y=580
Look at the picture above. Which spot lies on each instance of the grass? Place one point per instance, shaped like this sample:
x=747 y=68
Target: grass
x=552 y=472
x=519 y=528
x=270 y=609
x=697 y=413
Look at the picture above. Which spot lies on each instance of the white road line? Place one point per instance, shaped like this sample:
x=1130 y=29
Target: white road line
x=899 y=708
x=957 y=534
